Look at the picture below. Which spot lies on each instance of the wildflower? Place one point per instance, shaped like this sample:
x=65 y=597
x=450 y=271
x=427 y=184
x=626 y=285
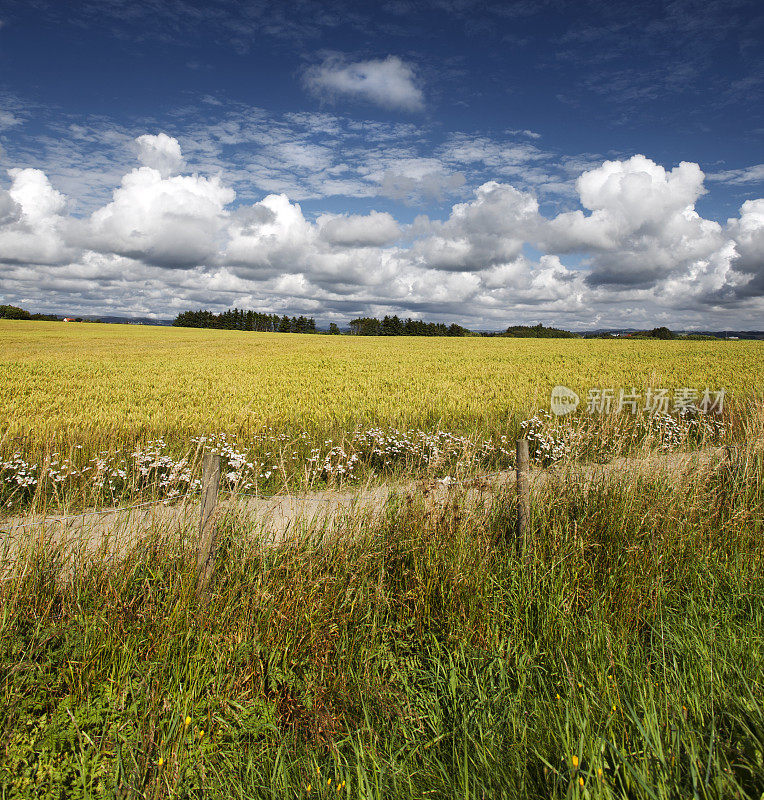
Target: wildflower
x=599 y=772
x=558 y=696
x=574 y=761
x=201 y=733
x=329 y=782
x=160 y=762
x=580 y=781
x=308 y=788
x=188 y=721
x=613 y=706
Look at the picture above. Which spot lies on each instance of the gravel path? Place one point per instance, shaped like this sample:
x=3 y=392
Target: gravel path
x=112 y=530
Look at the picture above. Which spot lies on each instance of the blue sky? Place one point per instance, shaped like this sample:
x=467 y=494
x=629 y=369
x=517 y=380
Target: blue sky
x=582 y=164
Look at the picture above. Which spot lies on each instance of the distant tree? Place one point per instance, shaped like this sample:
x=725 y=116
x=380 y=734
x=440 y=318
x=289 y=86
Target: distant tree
x=195 y=319
x=538 y=332
x=13 y=312
x=50 y=318
x=661 y=333
x=365 y=326
x=655 y=333
x=392 y=326
x=241 y=320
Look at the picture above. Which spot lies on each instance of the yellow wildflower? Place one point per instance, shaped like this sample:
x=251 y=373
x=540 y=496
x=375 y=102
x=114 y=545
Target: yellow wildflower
x=580 y=781
x=574 y=761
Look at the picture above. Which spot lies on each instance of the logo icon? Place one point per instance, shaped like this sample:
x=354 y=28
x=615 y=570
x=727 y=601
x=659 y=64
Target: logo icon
x=564 y=400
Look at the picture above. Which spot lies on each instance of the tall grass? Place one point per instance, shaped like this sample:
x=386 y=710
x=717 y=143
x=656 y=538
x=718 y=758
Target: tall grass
x=412 y=655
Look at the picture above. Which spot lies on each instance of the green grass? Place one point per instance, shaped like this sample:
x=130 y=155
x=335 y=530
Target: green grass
x=418 y=655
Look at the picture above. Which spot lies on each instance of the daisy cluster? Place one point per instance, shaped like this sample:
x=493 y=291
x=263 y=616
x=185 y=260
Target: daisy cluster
x=382 y=449
x=548 y=440
x=249 y=467
x=688 y=424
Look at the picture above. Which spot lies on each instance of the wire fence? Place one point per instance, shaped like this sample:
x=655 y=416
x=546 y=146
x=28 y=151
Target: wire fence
x=208 y=501
x=447 y=482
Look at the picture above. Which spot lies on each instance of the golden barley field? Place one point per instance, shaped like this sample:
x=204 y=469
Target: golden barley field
x=110 y=383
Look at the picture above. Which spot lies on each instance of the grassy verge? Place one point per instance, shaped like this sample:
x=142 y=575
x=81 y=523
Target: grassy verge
x=412 y=656
x=293 y=461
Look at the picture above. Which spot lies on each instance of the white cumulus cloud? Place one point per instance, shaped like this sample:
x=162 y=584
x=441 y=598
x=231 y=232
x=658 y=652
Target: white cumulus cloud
x=643 y=226
x=173 y=222
x=489 y=230
x=31 y=220
x=375 y=229
x=160 y=152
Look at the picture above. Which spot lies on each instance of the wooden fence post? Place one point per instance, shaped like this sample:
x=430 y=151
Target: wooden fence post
x=205 y=561
x=522 y=466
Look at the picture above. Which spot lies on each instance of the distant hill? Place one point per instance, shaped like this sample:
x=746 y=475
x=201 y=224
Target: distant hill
x=632 y=333
x=135 y=320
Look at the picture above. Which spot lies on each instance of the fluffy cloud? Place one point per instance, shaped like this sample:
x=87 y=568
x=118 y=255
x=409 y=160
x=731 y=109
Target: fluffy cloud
x=387 y=82
x=354 y=230
x=643 y=226
x=171 y=222
x=269 y=237
x=168 y=241
x=10 y=210
x=411 y=179
x=272 y=239
x=31 y=221
x=160 y=152
x=487 y=231
x=748 y=235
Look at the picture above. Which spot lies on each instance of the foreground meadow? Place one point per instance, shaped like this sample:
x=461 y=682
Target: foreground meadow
x=409 y=656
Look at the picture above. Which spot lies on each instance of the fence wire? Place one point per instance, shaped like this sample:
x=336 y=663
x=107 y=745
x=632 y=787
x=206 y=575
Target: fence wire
x=447 y=482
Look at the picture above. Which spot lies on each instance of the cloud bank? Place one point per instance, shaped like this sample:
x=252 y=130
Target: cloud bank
x=636 y=251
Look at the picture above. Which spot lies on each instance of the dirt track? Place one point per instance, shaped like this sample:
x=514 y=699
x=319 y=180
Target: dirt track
x=112 y=530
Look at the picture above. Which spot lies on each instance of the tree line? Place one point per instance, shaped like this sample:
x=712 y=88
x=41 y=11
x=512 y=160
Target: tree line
x=394 y=326
x=236 y=319
x=240 y=320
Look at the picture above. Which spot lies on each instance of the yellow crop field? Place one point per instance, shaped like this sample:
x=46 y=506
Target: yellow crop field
x=103 y=412
x=113 y=382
